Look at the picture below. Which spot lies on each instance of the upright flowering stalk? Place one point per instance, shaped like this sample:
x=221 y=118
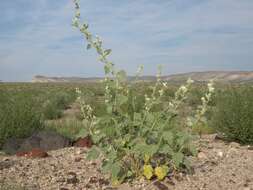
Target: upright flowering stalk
x=202 y=109
x=113 y=78
x=135 y=141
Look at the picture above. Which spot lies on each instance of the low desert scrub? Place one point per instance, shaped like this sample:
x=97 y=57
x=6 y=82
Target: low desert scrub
x=19 y=117
x=233 y=115
x=68 y=127
x=53 y=107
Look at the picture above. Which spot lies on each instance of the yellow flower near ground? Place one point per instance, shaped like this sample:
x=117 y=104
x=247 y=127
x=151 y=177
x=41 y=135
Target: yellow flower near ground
x=148 y=171
x=161 y=172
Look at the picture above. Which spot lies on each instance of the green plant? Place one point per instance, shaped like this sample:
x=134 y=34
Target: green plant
x=18 y=117
x=54 y=106
x=136 y=137
x=233 y=116
x=69 y=127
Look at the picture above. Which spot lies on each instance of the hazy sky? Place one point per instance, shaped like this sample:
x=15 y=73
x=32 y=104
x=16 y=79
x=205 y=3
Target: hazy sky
x=36 y=36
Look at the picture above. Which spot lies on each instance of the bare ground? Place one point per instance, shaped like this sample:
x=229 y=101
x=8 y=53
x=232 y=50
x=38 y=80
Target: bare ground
x=219 y=166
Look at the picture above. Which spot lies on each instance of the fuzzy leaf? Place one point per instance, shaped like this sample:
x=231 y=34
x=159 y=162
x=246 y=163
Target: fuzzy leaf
x=166 y=149
x=168 y=137
x=93 y=153
x=82 y=133
x=122 y=99
x=107 y=52
x=178 y=158
x=115 y=170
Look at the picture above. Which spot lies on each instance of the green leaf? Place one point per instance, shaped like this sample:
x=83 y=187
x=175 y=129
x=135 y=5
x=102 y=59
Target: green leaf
x=115 y=170
x=107 y=166
x=146 y=149
x=112 y=155
x=109 y=109
x=96 y=138
x=192 y=149
x=122 y=99
x=178 y=158
x=166 y=149
x=107 y=68
x=121 y=75
x=82 y=133
x=187 y=164
x=168 y=137
x=93 y=153
x=107 y=52
x=150 y=118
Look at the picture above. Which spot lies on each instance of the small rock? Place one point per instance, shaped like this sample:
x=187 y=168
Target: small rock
x=34 y=153
x=234 y=145
x=250 y=147
x=78 y=159
x=93 y=179
x=220 y=154
x=21 y=153
x=102 y=182
x=72 y=179
x=84 y=142
x=37 y=153
x=202 y=155
x=218 y=137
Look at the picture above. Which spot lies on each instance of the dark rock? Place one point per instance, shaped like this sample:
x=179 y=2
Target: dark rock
x=30 y=143
x=72 y=179
x=45 y=140
x=12 y=145
x=160 y=186
x=83 y=142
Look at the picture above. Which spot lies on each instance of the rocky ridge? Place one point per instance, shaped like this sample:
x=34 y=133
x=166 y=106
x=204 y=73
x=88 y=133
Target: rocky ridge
x=221 y=76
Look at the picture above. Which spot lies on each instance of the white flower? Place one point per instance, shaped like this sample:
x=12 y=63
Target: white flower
x=161 y=92
x=183 y=89
x=190 y=81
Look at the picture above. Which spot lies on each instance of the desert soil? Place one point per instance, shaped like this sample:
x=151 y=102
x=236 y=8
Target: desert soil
x=218 y=166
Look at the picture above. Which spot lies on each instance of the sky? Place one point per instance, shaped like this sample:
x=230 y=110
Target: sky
x=36 y=36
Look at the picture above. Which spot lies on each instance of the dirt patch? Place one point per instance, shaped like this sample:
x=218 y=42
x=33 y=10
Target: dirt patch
x=219 y=165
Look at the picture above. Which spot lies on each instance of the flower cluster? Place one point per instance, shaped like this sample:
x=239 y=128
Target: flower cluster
x=86 y=110
x=200 y=112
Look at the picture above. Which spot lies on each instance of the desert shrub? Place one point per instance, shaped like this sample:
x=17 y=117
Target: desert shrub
x=69 y=127
x=19 y=117
x=54 y=106
x=233 y=115
x=51 y=111
x=137 y=135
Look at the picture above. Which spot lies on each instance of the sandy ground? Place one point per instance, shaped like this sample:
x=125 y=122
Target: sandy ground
x=218 y=166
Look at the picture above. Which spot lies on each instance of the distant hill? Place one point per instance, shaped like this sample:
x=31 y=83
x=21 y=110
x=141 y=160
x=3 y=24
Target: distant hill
x=221 y=76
